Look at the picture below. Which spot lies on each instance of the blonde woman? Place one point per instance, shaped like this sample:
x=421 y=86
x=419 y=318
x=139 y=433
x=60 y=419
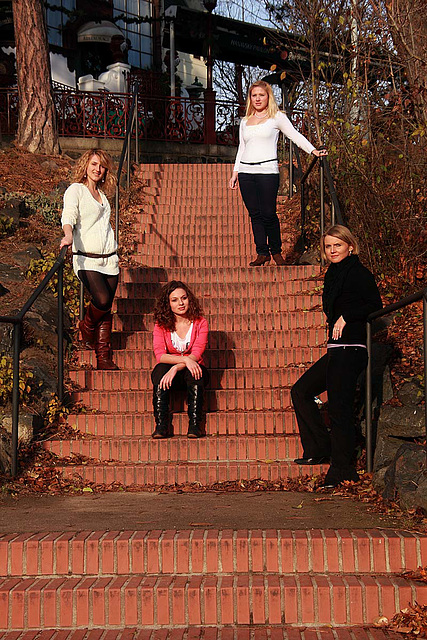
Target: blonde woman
x=86 y=225
x=256 y=168
x=349 y=296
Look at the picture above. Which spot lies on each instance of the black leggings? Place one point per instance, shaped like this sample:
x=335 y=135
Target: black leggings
x=102 y=288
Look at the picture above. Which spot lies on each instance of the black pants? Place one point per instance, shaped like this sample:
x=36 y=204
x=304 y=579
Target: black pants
x=259 y=193
x=337 y=373
x=182 y=379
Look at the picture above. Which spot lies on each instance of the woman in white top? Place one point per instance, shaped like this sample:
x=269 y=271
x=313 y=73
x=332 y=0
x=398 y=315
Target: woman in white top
x=256 y=169
x=86 y=224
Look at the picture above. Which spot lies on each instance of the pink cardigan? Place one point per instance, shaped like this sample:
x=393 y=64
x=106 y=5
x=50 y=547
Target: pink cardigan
x=162 y=342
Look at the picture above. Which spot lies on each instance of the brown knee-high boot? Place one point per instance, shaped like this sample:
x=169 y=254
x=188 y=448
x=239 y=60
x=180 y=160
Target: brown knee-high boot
x=88 y=325
x=103 y=343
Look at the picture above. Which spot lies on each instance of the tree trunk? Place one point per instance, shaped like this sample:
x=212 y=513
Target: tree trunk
x=408 y=22
x=37 y=130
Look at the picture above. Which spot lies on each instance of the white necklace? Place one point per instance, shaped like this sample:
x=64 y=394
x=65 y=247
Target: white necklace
x=260 y=117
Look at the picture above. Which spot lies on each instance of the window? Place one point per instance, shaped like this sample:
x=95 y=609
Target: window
x=139 y=34
x=56 y=18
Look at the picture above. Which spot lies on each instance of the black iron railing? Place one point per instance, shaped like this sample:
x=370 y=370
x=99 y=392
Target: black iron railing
x=324 y=172
x=404 y=302
x=58 y=267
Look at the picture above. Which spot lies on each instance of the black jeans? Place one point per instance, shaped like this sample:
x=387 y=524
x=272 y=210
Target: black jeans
x=259 y=193
x=337 y=373
x=182 y=379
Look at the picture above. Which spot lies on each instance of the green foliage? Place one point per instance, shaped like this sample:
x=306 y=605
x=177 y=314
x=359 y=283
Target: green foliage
x=26 y=382
x=55 y=412
x=6 y=226
x=39 y=268
x=48 y=206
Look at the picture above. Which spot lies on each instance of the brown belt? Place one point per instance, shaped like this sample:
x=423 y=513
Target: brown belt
x=94 y=255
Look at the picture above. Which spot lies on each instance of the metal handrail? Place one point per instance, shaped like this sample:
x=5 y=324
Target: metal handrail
x=131 y=123
x=58 y=267
x=404 y=302
x=324 y=171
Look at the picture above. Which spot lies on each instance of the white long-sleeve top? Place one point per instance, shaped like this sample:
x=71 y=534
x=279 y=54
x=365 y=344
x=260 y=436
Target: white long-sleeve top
x=258 y=143
x=92 y=232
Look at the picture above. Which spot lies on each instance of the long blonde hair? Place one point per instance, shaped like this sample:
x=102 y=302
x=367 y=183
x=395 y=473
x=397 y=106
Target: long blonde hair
x=342 y=233
x=272 y=107
x=108 y=182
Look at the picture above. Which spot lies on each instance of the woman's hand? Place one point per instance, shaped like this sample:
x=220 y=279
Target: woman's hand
x=193 y=367
x=320 y=152
x=66 y=241
x=233 y=180
x=166 y=381
x=338 y=328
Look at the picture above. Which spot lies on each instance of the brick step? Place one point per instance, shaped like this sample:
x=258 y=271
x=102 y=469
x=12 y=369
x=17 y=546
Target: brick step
x=138 y=359
x=188 y=601
x=219 y=379
x=241 y=305
x=144 y=290
x=215 y=400
x=210 y=551
x=198 y=261
x=233 y=449
x=214 y=359
x=225 y=323
x=191 y=200
x=204 y=473
x=226 y=423
x=220 y=275
x=237 y=243
x=235 y=341
x=232 y=341
x=229 y=632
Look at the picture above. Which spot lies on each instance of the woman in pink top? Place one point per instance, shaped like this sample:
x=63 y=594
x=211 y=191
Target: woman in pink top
x=179 y=340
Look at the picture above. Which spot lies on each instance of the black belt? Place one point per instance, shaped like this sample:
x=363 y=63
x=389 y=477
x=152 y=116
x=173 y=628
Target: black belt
x=94 y=255
x=261 y=161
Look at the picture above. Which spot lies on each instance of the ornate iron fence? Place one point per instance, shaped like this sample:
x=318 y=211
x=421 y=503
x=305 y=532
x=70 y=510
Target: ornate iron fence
x=104 y=115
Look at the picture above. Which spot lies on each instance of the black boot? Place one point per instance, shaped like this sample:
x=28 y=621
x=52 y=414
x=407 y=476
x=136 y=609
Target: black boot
x=195 y=411
x=161 y=413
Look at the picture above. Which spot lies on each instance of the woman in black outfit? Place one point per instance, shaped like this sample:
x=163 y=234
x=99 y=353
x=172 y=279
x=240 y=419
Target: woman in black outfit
x=349 y=296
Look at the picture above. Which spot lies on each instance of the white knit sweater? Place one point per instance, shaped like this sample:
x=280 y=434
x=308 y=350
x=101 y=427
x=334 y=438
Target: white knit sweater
x=92 y=232
x=259 y=142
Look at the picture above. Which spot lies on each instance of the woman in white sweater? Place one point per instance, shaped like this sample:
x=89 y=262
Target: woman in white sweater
x=256 y=169
x=86 y=224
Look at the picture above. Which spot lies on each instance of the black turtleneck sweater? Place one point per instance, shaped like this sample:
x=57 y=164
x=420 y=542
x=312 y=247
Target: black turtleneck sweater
x=349 y=291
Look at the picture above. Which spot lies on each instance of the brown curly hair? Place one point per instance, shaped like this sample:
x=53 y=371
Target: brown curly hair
x=163 y=314
x=108 y=182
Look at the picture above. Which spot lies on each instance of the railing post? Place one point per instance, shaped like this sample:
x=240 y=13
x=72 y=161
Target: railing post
x=303 y=215
x=291 y=169
x=322 y=199
x=61 y=333
x=136 y=132
x=15 y=395
x=81 y=301
x=368 y=399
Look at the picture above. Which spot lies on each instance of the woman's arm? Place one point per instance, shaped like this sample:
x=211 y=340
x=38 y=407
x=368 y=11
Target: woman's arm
x=289 y=130
x=370 y=299
x=199 y=345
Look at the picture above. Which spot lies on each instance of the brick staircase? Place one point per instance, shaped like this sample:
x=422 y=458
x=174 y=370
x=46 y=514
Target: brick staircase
x=265 y=326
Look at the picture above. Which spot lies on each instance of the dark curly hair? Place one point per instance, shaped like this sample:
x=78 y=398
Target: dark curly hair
x=163 y=314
